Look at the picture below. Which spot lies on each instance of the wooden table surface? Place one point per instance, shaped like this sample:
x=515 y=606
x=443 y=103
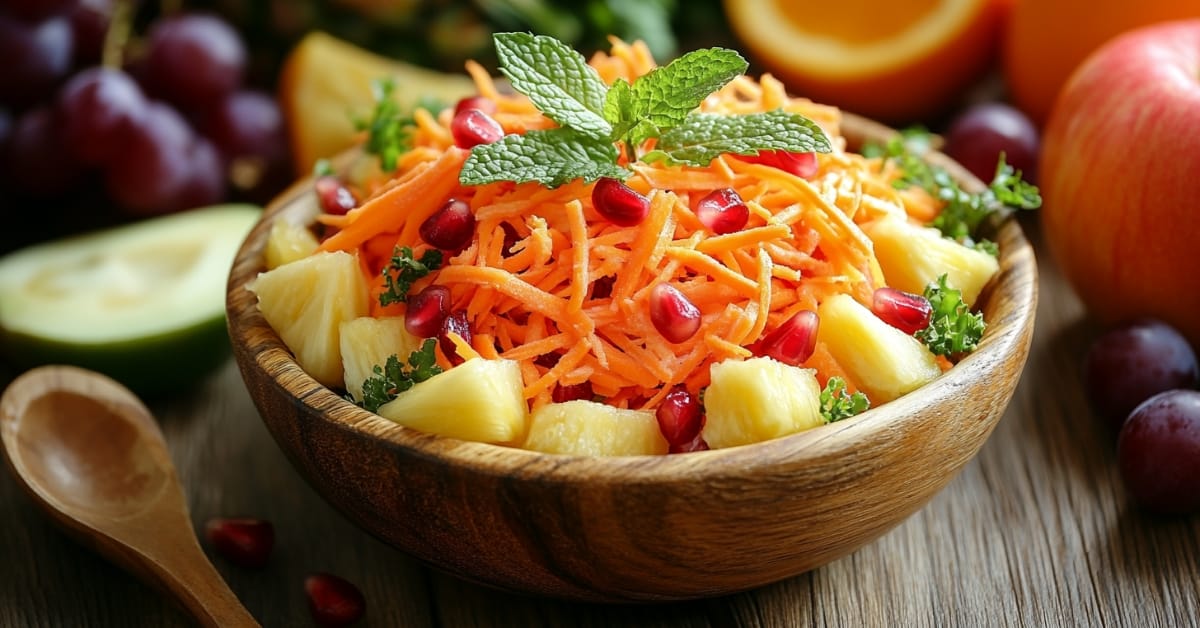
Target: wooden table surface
x=1036 y=531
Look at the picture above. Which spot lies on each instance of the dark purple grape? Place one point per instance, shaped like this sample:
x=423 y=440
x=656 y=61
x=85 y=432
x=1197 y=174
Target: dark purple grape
x=978 y=135
x=193 y=59
x=89 y=25
x=1159 y=453
x=34 y=10
x=97 y=108
x=34 y=160
x=33 y=59
x=247 y=126
x=205 y=184
x=1131 y=362
x=150 y=174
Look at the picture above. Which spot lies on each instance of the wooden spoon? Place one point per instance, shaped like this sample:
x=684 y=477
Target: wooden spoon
x=90 y=453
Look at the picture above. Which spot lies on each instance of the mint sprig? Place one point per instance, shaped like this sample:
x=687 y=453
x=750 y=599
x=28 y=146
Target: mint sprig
x=599 y=123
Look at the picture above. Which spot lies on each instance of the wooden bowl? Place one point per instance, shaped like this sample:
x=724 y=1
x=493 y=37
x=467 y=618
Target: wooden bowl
x=638 y=528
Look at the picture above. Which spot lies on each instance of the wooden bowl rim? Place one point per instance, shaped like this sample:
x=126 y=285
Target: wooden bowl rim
x=1010 y=320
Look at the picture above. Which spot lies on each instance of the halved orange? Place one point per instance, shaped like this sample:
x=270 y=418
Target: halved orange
x=900 y=61
x=326 y=82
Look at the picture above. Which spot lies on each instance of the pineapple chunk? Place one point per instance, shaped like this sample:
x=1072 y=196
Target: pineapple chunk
x=367 y=342
x=478 y=400
x=588 y=428
x=306 y=301
x=288 y=242
x=884 y=361
x=753 y=400
x=913 y=257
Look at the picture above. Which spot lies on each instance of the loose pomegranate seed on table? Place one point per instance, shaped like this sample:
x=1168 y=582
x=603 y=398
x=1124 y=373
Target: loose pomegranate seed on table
x=618 y=203
x=456 y=322
x=449 y=228
x=793 y=342
x=722 y=211
x=482 y=103
x=333 y=601
x=427 y=310
x=243 y=541
x=472 y=127
x=673 y=315
x=903 y=310
x=680 y=417
x=335 y=198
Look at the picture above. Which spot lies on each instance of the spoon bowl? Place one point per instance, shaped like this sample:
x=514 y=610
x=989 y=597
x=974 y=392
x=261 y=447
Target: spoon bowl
x=91 y=455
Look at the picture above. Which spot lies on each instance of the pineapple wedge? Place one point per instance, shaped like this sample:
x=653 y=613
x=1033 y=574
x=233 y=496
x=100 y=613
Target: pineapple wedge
x=367 y=342
x=885 y=361
x=306 y=301
x=478 y=400
x=288 y=242
x=913 y=256
x=753 y=400
x=588 y=428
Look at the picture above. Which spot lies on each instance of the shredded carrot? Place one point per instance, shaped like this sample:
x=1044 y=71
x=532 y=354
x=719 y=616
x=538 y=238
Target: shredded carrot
x=546 y=282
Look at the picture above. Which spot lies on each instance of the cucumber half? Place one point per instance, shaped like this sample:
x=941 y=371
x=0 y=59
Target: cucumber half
x=143 y=303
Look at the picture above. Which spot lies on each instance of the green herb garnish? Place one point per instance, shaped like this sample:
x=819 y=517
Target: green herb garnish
x=964 y=212
x=837 y=403
x=599 y=124
x=389 y=128
x=392 y=378
x=953 y=328
x=403 y=270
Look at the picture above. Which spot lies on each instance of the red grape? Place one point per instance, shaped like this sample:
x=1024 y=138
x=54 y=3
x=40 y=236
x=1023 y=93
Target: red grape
x=193 y=59
x=33 y=59
x=33 y=10
x=97 y=109
x=34 y=160
x=1131 y=362
x=205 y=182
x=151 y=173
x=1159 y=453
x=247 y=126
x=89 y=25
x=978 y=135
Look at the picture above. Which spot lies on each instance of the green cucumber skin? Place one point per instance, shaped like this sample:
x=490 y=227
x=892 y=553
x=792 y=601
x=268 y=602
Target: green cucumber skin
x=153 y=366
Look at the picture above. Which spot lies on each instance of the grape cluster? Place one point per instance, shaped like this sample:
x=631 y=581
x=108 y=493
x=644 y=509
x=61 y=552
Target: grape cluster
x=1141 y=378
x=151 y=114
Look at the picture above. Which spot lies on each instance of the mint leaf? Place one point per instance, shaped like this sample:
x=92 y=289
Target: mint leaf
x=551 y=157
x=667 y=94
x=700 y=138
x=557 y=79
x=618 y=107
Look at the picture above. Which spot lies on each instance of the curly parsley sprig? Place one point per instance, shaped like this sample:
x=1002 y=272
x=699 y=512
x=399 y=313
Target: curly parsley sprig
x=392 y=378
x=389 y=128
x=403 y=270
x=597 y=124
x=953 y=328
x=837 y=403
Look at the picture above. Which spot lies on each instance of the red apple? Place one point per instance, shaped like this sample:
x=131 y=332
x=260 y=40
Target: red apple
x=1120 y=177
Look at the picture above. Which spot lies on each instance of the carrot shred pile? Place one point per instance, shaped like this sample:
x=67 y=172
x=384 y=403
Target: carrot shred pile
x=550 y=284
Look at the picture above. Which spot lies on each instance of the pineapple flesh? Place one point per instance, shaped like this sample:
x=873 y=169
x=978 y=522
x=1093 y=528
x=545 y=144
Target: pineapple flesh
x=913 y=257
x=306 y=301
x=759 y=399
x=884 y=361
x=367 y=342
x=588 y=428
x=478 y=400
x=288 y=242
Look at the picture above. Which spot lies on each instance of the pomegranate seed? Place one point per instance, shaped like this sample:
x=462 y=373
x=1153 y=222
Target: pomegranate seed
x=472 y=127
x=427 y=310
x=244 y=542
x=449 y=228
x=905 y=311
x=673 y=315
x=619 y=203
x=571 y=392
x=602 y=287
x=333 y=601
x=547 y=360
x=793 y=342
x=800 y=164
x=486 y=105
x=335 y=198
x=723 y=211
x=456 y=322
x=696 y=444
x=679 y=417
x=511 y=238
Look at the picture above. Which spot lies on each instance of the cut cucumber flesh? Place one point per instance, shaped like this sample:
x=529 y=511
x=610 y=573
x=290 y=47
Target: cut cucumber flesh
x=144 y=303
